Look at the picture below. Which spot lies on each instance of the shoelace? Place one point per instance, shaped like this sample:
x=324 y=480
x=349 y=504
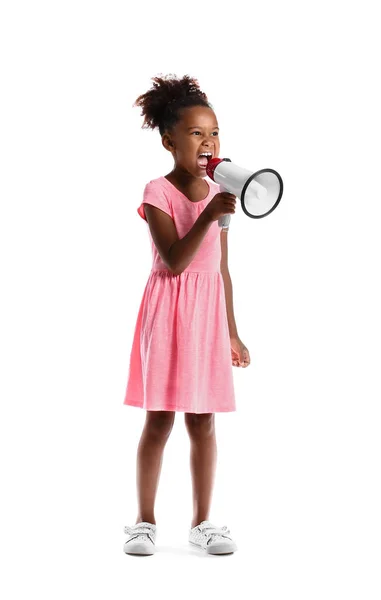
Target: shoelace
x=139 y=530
x=211 y=531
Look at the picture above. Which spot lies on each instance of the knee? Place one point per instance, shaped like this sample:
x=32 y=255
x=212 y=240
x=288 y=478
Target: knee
x=199 y=425
x=159 y=423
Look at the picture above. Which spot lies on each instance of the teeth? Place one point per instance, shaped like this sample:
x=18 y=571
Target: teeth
x=206 y=154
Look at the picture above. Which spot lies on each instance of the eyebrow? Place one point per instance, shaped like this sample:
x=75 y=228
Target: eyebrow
x=198 y=127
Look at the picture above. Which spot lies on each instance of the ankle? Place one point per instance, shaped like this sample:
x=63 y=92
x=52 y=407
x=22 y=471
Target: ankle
x=148 y=520
x=197 y=522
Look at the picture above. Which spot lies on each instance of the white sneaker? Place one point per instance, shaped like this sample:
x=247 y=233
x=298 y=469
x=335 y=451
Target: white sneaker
x=142 y=540
x=215 y=540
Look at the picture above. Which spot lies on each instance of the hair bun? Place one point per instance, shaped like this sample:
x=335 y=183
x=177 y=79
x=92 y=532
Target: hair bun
x=158 y=103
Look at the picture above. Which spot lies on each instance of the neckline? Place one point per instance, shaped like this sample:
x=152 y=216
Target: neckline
x=191 y=201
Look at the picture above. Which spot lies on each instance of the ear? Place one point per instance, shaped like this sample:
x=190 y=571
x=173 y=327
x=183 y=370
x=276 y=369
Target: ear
x=167 y=142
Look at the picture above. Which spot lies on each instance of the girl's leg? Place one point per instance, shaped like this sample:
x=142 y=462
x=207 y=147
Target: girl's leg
x=156 y=431
x=203 y=459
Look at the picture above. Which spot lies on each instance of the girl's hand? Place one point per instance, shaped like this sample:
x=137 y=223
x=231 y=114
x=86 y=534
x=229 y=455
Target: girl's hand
x=240 y=354
x=221 y=204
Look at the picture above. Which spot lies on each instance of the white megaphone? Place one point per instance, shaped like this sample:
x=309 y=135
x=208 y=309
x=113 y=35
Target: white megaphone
x=259 y=192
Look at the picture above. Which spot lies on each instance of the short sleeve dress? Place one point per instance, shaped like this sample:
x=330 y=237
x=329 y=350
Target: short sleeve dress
x=181 y=356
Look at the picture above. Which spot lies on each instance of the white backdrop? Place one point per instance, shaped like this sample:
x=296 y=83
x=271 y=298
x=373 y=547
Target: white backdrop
x=294 y=88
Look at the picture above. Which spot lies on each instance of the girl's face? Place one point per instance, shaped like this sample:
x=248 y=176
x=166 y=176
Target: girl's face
x=197 y=131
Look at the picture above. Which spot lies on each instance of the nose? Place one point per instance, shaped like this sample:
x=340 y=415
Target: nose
x=207 y=144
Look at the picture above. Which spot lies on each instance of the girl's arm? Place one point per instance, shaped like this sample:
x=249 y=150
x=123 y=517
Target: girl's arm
x=227 y=285
x=176 y=253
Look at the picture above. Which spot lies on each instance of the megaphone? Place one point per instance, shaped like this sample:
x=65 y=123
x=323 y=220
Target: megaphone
x=259 y=192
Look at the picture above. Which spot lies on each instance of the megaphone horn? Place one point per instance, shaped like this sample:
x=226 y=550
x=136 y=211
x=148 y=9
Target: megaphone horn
x=259 y=192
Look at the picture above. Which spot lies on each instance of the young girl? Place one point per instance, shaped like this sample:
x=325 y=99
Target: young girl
x=185 y=339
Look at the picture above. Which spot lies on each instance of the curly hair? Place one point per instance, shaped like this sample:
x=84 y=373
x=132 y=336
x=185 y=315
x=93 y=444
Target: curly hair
x=162 y=104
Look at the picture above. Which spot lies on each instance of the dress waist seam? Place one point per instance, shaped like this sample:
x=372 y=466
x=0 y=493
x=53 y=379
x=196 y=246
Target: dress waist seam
x=168 y=271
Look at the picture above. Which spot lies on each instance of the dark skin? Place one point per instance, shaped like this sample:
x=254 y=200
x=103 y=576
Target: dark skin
x=185 y=145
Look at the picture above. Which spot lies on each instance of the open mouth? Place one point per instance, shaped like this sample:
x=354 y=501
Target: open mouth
x=203 y=159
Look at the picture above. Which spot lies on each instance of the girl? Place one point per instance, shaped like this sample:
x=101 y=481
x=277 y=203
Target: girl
x=185 y=337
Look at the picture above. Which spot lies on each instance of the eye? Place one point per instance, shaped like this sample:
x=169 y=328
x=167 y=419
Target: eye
x=215 y=132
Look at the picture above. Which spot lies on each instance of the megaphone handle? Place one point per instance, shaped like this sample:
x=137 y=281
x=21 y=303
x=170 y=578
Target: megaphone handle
x=225 y=219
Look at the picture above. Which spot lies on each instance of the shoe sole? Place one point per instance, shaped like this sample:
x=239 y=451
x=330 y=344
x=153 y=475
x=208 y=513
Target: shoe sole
x=140 y=549
x=217 y=548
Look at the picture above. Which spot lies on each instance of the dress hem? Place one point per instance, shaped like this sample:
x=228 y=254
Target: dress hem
x=180 y=408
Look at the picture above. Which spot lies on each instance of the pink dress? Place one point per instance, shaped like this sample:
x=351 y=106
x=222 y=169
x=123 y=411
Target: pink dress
x=181 y=357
